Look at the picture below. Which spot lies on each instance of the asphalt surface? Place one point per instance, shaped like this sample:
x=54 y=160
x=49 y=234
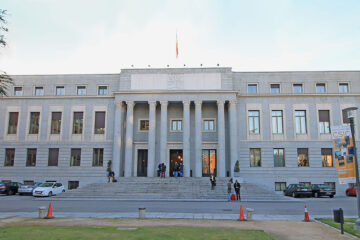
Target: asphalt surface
x=291 y=209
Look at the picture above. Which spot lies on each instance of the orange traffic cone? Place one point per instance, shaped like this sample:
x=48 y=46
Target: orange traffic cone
x=49 y=214
x=306 y=217
x=241 y=216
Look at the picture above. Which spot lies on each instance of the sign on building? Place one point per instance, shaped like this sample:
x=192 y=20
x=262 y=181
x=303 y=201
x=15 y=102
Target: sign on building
x=344 y=153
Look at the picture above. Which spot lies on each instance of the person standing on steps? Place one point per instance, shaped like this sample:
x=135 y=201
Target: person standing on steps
x=213 y=182
x=237 y=187
x=229 y=186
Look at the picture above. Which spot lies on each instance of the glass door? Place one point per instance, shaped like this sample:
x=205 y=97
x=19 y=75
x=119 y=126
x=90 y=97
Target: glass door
x=208 y=162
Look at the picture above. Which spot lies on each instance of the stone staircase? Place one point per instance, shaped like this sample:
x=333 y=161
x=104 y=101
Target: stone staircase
x=168 y=188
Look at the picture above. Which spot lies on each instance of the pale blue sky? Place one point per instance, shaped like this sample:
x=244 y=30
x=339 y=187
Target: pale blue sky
x=85 y=36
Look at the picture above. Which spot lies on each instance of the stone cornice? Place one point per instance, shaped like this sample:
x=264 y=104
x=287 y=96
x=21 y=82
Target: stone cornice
x=176 y=92
x=239 y=95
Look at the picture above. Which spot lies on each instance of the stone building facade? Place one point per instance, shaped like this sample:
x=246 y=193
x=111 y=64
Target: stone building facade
x=276 y=124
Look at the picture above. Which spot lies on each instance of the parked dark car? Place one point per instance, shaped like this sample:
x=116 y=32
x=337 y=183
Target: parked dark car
x=296 y=190
x=351 y=191
x=9 y=188
x=319 y=190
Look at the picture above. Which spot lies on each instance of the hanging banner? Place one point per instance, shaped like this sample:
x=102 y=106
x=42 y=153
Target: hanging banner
x=344 y=153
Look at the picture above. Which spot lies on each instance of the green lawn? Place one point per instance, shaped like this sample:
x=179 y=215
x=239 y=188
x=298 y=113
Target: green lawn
x=349 y=228
x=89 y=233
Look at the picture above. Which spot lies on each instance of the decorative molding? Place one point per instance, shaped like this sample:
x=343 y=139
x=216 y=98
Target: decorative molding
x=130 y=104
x=186 y=104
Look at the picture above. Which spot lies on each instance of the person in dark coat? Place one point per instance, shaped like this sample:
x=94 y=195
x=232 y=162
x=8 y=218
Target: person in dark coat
x=237 y=187
x=213 y=182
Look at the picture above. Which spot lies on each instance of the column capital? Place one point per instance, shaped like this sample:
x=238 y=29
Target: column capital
x=152 y=103
x=198 y=103
x=220 y=103
x=130 y=103
x=164 y=103
x=118 y=104
x=233 y=102
x=186 y=103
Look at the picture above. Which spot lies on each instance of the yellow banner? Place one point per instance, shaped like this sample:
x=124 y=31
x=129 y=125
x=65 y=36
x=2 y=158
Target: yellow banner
x=344 y=153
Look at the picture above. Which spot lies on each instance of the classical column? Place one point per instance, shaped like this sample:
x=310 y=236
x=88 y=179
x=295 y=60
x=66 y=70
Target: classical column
x=233 y=135
x=129 y=139
x=186 y=138
x=163 y=132
x=198 y=139
x=117 y=139
x=151 y=141
x=221 y=139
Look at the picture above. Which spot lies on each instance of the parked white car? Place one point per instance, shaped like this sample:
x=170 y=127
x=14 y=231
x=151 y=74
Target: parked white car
x=27 y=189
x=48 y=189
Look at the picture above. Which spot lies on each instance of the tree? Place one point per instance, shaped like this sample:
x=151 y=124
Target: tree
x=5 y=80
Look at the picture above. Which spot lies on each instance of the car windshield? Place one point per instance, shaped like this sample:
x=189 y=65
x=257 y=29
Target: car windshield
x=46 y=185
x=302 y=186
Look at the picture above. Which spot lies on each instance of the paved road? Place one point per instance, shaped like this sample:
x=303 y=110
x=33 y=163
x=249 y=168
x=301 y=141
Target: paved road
x=27 y=206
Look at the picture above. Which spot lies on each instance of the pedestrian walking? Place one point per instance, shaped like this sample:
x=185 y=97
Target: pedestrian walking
x=213 y=182
x=237 y=187
x=229 y=186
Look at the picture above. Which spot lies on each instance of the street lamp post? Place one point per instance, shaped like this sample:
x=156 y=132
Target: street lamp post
x=350 y=114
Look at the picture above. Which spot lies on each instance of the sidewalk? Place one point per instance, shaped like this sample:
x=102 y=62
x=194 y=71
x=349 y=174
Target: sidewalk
x=279 y=229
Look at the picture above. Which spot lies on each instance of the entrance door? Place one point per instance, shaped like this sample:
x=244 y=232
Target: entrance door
x=208 y=162
x=176 y=157
x=142 y=163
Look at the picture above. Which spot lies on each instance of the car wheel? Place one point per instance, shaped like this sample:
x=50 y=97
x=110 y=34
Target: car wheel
x=20 y=194
x=348 y=194
x=316 y=195
x=294 y=195
x=50 y=194
x=10 y=192
x=331 y=196
x=63 y=190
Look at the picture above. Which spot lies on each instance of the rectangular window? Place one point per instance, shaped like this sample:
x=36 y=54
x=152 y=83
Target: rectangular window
x=102 y=90
x=18 y=91
x=254 y=122
x=275 y=88
x=300 y=120
x=331 y=184
x=144 y=125
x=305 y=183
x=98 y=157
x=343 y=87
x=255 y=157
x=326 y=157
x=60 y=91
x=34 y=123
x=176 y=125
x=279 y=157
x=277 y=121
x=99 y=123
x=9 y=157
x=297 y=88
x=13 y=122
x=39 y=91
x=75 y=157
x=320 y=88
x=303 y=157
x=78 y=123
x=324 y=121
x=29 y=182
x=31 y=157
x=209 y=125
x=73 y=184
x=345 y=117
x=280 y=186
x=55 y=122
x=252 y=88
x=81 y=90
x=53 y=157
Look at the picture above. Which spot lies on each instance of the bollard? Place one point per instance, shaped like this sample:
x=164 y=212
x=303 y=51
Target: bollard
x=142 y=213
x=249 y=213
x=42 y=212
